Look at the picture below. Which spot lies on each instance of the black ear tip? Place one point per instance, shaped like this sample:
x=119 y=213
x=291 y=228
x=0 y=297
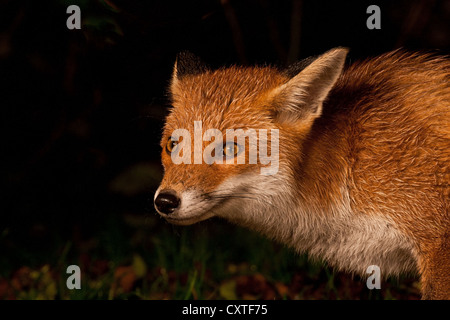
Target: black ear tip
x=186 y=55
x=189 y=64
x=297 y=67
x=343 y=48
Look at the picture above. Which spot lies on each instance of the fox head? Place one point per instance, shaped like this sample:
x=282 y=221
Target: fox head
x=274 y=111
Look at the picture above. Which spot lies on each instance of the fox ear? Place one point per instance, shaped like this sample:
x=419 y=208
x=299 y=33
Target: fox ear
x=302 y=96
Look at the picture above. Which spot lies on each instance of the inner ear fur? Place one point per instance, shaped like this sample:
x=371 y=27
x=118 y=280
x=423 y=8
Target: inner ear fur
x=301 y=97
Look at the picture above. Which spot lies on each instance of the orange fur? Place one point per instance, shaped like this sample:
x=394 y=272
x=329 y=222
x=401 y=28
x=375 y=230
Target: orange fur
x=376 y=149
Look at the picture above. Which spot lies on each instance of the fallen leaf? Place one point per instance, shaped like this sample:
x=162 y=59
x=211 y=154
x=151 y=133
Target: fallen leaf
x=139 y=266
x=228 y=290
x=124 y=279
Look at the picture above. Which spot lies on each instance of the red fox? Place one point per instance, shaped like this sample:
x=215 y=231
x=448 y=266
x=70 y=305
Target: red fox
x=363 y=160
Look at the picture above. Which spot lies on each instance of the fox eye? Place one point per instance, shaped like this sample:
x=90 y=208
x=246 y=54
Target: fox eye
x=170 y=145
x=231 y=149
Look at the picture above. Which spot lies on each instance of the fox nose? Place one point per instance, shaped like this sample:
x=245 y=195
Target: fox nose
x=167 y=201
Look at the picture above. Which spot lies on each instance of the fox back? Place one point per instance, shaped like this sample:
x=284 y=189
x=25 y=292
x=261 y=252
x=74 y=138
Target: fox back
x=362 y=158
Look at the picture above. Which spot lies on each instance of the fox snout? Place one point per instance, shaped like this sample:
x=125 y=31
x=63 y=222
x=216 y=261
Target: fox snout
x=181 y=205
x=166 y=201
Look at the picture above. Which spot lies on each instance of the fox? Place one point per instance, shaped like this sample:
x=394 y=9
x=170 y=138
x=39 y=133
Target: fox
x=363 y=158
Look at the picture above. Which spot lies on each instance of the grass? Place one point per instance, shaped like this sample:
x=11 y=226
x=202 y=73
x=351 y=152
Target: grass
x=142 y=257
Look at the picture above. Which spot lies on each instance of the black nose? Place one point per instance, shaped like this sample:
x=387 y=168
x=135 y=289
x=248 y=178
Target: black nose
x=167 y=201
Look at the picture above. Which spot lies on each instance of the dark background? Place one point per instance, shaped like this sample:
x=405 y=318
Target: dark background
x=82 y=110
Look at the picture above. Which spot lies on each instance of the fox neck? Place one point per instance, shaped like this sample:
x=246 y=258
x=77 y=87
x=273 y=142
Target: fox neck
x=312 y=213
